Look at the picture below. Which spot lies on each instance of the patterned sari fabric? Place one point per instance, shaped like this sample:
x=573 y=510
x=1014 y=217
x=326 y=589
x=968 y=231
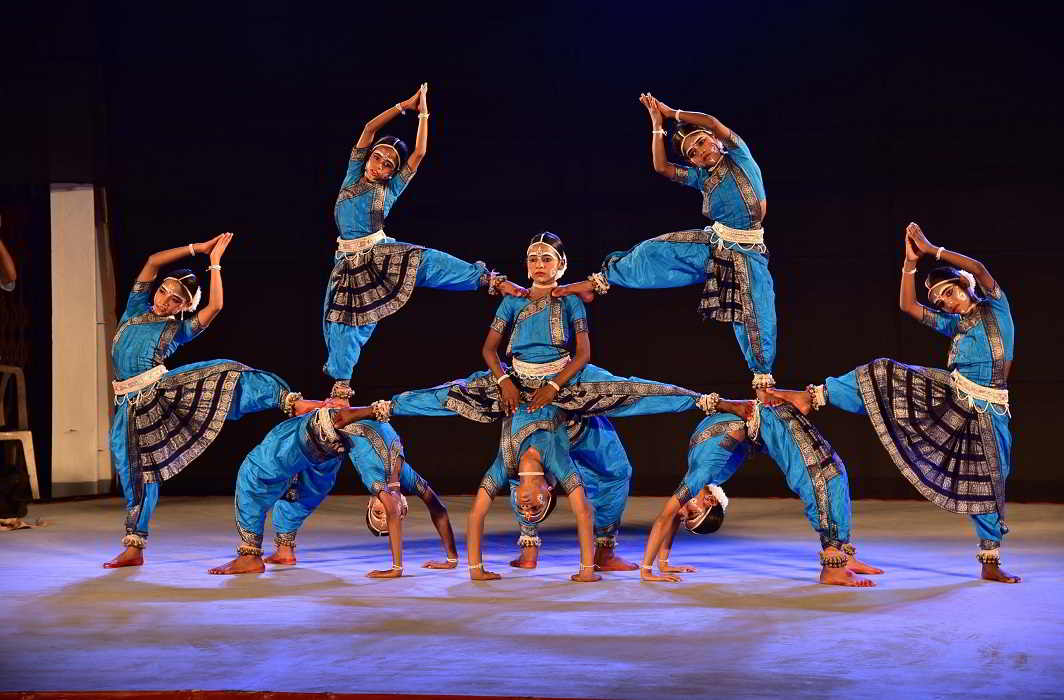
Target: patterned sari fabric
x=367 y=287
x=944 y=447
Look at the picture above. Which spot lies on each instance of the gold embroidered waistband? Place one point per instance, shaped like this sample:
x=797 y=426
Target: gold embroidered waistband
x=542 y=369
x=140 y=381
x=977 y=391
x=737 y=235
x=358 y=245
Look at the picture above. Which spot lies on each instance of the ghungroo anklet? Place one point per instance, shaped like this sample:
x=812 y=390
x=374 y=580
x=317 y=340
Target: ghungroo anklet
x=763 y=381
x=816 y=396
x=132 y=540
x=989 y=556
x=833 y=561
x=599 y=284
x=606 y=541
x=382 y=410
x=288 y=403
x=529 y=541
x=341 y=390
x=848 y=549
x=708 y=403
x=247 y=550
x=285 y=539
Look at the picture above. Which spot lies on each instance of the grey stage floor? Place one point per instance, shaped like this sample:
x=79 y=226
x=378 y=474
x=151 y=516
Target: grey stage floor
x=751 y=622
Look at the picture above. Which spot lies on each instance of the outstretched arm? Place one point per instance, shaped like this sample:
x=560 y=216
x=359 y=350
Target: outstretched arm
x=369 y=131
x=150 y=271
x=438 y=513
x=474 y=535
x=214 y=303
x=963 y=262
x=490 y=353
x=421 y=146
x=664 y=527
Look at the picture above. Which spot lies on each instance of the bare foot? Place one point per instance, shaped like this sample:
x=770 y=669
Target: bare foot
x=843 y=577
x=799 y=399
x=337 y=402
x=585 y=290
x=648 y=575
x=386 y=573
x=133 y=556
x=243 y=564
x=481 y=574
x=304 y=406
x=585 y=576
x=284 y=555
x=511 y=289
x=993 y=572
x=528 y=558
x=859 y=567
x=676 y=568
x=606 y=560
x=441 y=564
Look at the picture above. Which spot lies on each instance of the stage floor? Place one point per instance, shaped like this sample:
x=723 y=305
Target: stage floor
x=751 y=622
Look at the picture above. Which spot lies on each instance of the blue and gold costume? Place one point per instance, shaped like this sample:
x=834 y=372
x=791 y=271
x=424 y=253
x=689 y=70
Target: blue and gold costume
x=729 y=257
x=811 y=467
x=952 y=445
x=168 y=418
x=374 y=275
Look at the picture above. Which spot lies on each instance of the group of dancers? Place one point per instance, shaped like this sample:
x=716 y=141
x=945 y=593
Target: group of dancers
x=946 y=430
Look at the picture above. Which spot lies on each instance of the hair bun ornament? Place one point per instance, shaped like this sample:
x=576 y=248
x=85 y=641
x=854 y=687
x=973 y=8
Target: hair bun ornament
x=718 y=493
x=196 y=298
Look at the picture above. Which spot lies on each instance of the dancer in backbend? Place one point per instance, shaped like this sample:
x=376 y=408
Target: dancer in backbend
x=606 y=472
x=312 y=446
x=165 y=418
x=946 y=430
x=376 y=453
x=813 y=471
x=729 y=257
x=374 y=275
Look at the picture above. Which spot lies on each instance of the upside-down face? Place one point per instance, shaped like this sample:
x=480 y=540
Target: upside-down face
x=694 y=508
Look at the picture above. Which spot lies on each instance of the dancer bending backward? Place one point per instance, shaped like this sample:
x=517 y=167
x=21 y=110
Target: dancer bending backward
x=376 y=453
x=607 y=474
x=946 y=430
x=374 y=275
x=813 y=471
x=166 y=418
x=549 y=381
x=729 y=257
x=312 y=446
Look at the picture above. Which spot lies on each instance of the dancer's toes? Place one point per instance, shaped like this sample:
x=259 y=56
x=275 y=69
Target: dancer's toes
x=993 y=572
x=843 y=577
x=243 y=564
x=859 y=567
x=132 y=556
x=611 y=562
x=282 y=559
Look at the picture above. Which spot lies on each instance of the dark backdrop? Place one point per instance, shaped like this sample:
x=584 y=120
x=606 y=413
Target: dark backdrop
x=201 y=118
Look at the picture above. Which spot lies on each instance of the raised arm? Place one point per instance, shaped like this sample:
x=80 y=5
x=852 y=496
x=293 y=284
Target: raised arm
x=369 y=131
x=421 y=146
x=925 y=247
x=907 y=295
x=490 y=353
x=657 y=138
x=214 y=303
x=706 y=121
x=150 y=271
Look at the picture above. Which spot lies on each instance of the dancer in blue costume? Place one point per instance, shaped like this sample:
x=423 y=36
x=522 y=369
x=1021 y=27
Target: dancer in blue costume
x=166 y=418
x=376 y=452
x=606 y=472
x=813 y=471
x=947 y=431
x=374 y=275
x=729 y=257
x=312 y=447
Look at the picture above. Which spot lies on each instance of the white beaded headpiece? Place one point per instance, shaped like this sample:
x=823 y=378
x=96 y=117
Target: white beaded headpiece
x=192 y=300
x=683 y=143
x=394 y=150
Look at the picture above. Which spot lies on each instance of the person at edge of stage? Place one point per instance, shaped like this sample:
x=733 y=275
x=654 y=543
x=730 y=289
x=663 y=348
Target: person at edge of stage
x=729 y=257
x=813 y=471
x=164 y=419
x=947 y=431
x=8 y=272
x=312 y=448
x=606 y=472
x=373 y=274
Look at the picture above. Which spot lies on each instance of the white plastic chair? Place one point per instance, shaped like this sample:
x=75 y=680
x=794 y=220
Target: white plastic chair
x=22 y=434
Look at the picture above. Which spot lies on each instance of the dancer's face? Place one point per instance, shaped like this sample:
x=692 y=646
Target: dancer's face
x=694 y=508
x=380 y=165
x=703 y=150
x=954 y=299
x=169 y=299
x=532 y=498
x=543 y=264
